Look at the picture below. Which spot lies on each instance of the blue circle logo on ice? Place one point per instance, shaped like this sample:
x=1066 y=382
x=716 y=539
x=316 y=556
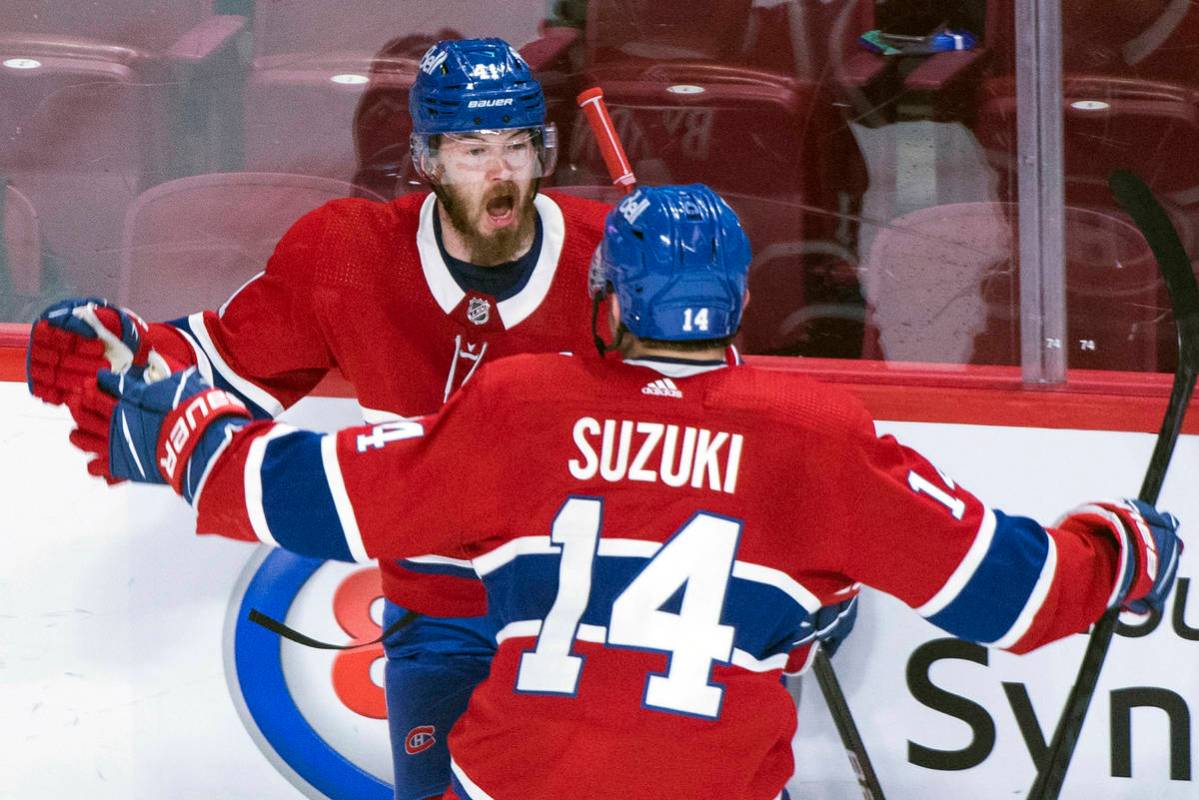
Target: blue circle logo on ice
x=317 y=715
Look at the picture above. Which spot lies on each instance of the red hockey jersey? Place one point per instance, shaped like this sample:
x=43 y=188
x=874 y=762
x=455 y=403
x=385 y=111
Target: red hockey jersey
x=362 y=287
x=652 y=536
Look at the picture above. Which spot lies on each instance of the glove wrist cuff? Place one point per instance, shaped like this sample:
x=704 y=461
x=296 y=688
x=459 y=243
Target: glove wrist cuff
x=183 y=431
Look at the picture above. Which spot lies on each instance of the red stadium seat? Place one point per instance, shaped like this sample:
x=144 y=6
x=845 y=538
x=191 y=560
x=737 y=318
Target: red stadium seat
x=310 y=71
x=1111 y=123
x=647 y=31
x=1151 y=40
x=190 y=243
x=89 y=113
x=942 y=286
x=1131 y=101
x=780 y=147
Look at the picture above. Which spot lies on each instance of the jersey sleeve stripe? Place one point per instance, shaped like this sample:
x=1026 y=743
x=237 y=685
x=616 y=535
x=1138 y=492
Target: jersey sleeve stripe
x=747 y=662
x=779 y=580
x=507 y=552
x=965 y=569
x=521 y=629
x=466 y=788
x=225 y=377
x=341 y=500
x=289 y=501
x=1035 y=601
x=183 y=326
x=221 y=311
x=1000 y=590
x=438 y=568
x=297 y=500
x=253 y=484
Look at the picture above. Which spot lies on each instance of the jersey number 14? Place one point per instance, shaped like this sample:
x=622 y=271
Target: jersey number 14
x=698 y=559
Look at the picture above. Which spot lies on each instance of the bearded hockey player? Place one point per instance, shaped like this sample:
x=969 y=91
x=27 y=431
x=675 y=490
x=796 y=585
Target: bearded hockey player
x=647 y=567
x=406 y=299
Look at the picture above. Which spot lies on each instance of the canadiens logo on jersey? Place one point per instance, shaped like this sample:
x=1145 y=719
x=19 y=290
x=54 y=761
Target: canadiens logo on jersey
x=478 y=310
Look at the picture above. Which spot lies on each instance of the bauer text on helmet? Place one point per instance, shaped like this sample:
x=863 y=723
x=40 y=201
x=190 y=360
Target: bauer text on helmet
x=478 y=111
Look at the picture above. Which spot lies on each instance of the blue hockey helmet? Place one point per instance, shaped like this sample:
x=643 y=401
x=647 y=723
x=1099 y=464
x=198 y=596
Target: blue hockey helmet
x=481 y=88
x=677 y=259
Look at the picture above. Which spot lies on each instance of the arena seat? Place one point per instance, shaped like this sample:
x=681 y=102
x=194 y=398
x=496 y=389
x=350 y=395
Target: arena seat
x=310 y=70
x=649 y=31
x=942 y=286
x=1130 y=101
x=190 y=243
x=777 y=144
x=94 y=108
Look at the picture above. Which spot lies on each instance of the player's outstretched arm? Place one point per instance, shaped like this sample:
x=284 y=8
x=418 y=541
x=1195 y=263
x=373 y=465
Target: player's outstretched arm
x=357 y=495
x=990 y=577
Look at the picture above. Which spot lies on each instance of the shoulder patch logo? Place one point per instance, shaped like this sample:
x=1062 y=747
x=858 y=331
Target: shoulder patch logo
x=663 y=387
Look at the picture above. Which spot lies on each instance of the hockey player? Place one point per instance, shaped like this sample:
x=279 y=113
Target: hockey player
x=406 y=299
x=647 y=566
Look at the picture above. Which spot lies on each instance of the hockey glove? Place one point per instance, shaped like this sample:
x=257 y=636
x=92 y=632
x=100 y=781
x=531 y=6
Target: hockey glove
x=74 y=339
x=162 y=432
x=1149 y=549
x=827 y=628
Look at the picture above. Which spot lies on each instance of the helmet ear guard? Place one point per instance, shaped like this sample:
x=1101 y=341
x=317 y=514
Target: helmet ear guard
x=600 y=289
x=677 y=260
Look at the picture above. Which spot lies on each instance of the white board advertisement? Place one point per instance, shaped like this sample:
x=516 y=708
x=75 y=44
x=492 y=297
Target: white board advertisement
x=128 y=668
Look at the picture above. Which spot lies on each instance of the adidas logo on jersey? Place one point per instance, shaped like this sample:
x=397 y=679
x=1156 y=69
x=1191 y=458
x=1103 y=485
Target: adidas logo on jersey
x=663 y=387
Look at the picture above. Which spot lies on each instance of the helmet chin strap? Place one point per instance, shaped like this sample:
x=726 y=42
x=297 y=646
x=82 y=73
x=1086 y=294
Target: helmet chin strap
x=602 y=347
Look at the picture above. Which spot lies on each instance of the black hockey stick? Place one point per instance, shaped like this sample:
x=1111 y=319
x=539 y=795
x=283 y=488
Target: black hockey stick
x=847 y=729
x=1136 y=198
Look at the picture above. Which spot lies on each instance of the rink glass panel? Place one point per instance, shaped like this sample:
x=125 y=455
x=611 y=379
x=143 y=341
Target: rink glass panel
x=153 y=152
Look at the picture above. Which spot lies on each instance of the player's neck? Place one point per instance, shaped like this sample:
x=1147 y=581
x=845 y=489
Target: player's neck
x=633 y=348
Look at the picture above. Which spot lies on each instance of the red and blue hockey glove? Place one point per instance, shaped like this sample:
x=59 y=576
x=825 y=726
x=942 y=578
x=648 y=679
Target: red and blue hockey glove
x=1149 y=549
x=162 y=432
x=827 y=628
x=74 y=339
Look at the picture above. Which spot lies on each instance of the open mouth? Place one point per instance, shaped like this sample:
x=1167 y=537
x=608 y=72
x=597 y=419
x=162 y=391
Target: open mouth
x=501 y=209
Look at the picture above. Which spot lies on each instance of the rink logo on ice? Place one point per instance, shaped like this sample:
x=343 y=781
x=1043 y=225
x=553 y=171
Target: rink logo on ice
x=319 y=716
x=420 y=739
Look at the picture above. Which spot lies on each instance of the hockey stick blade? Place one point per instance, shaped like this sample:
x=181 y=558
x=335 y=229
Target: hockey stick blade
x=1135 y=198
x=847 y=729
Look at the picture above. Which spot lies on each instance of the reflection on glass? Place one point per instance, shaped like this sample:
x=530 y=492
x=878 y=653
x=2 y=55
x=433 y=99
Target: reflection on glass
x=850 y=135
